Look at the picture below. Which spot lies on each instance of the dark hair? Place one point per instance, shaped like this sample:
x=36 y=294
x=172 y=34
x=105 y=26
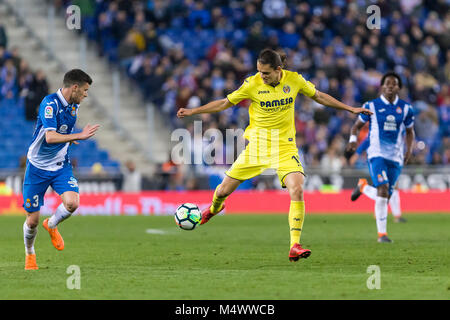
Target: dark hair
x=76 y=76
x=392 y=74
x=273 y=58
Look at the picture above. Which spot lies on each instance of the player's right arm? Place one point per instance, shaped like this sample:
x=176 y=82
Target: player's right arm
x=52 y=136
x=219 y=105
x=360 y=122
x=351 y=147
x=211 y=107
x=362 y=147
x=48 y=111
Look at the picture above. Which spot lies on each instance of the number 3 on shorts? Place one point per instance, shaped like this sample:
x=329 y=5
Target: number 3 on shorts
x=36 y=201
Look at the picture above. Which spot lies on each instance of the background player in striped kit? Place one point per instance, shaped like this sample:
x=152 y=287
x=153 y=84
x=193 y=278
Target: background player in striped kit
x=391 y=121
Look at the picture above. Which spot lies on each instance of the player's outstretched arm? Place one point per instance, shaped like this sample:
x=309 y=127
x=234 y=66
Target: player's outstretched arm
x=211 y=107
x=329 y=101
x=55 y=137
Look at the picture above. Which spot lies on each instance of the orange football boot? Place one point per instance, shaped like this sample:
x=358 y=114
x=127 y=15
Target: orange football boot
x=30 y=262
x=57 y=240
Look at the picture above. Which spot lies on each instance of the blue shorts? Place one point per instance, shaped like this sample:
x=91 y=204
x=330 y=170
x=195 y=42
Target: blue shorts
x=384 y=171
x=37 y=181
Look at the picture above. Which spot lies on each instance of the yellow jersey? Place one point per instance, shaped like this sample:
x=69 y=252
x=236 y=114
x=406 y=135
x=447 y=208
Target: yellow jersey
x=272 y=111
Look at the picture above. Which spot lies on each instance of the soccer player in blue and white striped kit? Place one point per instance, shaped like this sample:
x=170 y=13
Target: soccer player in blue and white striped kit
x=48 y=163
x=391 y=128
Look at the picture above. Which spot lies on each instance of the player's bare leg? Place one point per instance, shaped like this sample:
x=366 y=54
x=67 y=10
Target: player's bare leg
x=70 y=202
x=294 y=183
x=29 y=235
x=381 y=212
x=222 y=191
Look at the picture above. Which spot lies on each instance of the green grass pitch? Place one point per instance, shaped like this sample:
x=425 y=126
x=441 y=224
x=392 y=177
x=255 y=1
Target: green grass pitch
x=231 y=257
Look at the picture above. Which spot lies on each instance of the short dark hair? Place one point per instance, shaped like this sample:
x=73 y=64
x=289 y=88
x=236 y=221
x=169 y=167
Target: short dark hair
x=273 y=58
x=392 y=74
x=76 y=76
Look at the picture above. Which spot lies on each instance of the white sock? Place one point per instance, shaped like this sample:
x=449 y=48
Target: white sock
x=381 y=212
x=370 y=192
x=60 y=215
x=29 y=235
x=394 y=203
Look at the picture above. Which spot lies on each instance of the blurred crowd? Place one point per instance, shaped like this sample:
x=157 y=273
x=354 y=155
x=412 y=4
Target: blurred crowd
x=184 y=53
x=18 y=80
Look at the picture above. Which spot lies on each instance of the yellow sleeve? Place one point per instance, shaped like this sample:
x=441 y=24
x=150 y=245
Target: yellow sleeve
x=240 y=94
x=307 y=88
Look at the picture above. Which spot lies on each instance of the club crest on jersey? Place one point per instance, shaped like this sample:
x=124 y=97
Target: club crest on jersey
x=286 y=89
x=380 y=178
x=73 y=112
x=48 y=112
x=28 y=203
x=398 y=110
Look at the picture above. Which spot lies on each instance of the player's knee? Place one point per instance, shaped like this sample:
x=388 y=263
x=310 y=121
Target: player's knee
x=71 y=205
x=296 y=192
x=383 y=191
x=32 y=224
x=32 y=221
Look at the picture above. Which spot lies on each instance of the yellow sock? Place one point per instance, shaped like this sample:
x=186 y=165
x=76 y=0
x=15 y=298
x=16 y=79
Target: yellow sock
x=296 y=218
x=217 y=202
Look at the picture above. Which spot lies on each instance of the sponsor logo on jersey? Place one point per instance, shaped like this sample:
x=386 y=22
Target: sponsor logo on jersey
x=277 y=103
x=263 y=91
x=48 y=112
x=286 y=89
x=390 y=124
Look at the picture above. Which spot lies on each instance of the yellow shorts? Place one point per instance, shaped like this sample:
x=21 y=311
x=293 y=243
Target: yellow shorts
x=249 y=164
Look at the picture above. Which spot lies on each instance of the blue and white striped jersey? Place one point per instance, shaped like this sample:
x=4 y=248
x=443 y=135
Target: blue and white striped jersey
x=387 y=127
x=56 y=114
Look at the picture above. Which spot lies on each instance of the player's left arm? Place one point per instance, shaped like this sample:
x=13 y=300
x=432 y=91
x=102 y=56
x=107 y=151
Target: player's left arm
x=327 y=100
x=409 y=140
x=410 y=134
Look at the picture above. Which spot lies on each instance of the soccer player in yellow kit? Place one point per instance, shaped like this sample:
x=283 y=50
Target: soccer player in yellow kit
x=271 y=136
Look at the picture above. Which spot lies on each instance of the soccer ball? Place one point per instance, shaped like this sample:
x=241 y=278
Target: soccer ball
x=188 y=216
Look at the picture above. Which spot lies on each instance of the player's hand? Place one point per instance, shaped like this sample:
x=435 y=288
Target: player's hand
x=363 y=111
x=183 y=112
x=88 y=131
x=351 y=148
x=74 y=142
